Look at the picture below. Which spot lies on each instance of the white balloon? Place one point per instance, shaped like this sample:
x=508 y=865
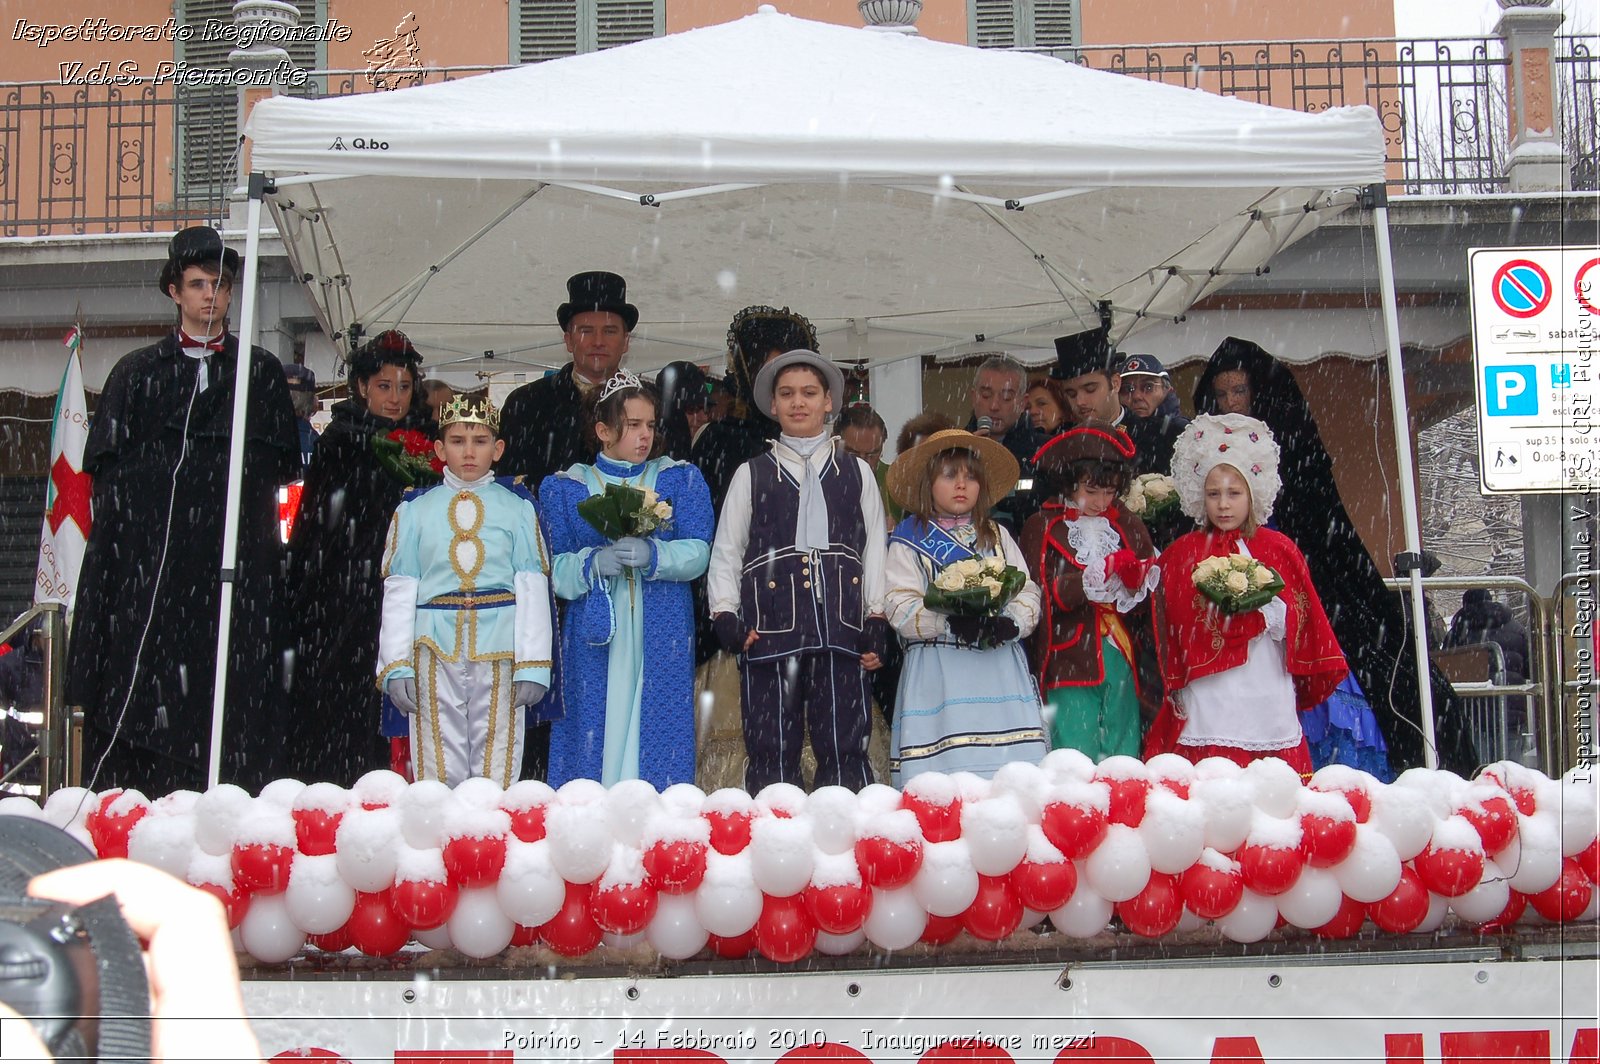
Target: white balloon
x=833 y=818
x=896 y=920
x=1188 y=921
x=22 y=805
x=1251 y=920
x=675 y=930
x=582 y=792
x=629 y=805
x=1173 y=830
x=728 y=903
x=1578 y=813
x=580 y=840
x=1119 y=867
x=379 y=787
x=319 y=901
x=71 y=804
x=1031 y=919
x=1085 y=914
x=434 y=937
x=947 y=882
x=1538 y=865
x=1277 y=786
x=1313 y=900
x=615 y=941
x=479 y=792
x=1405 y=815
x=530 y=891
x=478 y=927
x=216 y=815
x=1372 y=870
x=1067 y=765
x=996 y=831
x=282 y=792
x=840 y=945
x=1592 y=910
x=683 y=799
x=781 y=855
x=267 y=932
x=1228 y=803
x=366 y=848
x=1438 y=909
x=166 y=842
x=875 y=799
x=425 y=807
x=1488 y=899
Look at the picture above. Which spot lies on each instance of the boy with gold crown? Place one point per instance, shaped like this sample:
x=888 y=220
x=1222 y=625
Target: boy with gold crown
x=466 y=636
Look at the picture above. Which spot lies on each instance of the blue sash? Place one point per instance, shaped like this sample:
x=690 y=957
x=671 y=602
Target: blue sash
x=931 y=541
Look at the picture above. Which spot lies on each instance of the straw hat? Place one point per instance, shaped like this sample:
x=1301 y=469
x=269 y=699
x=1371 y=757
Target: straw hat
x=999 y=465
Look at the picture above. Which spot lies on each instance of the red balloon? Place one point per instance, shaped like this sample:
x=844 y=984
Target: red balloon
x=1589 y=861
x=730 y=832
x=1360 y=801
x=262 y=867
x=572 y=932
x=1075 y=830
x=527 y=824
x=676 y=867
x=838 y=910
x=1269 y=870
x=1523 y=796
x=1176 y=786
x=236 y=902
x=314 y=831
x=333 y=942
x=1044 y=887
x=1405 y=907
x=423 y=903
x=1346 y=922
x=523 y=935
x=373 y=927
x=1449 y=873
x=109 y=832
x=941 y=929
x=1128 y=798
x=1495 y=822
x=735 y=948
x=1156 y=909
x=940 y=823
x=1515 y=906
x=886 y=864
x=1210 y=893
x=996 y=912
x=1326 y=841
x=623 y=908
x=475 y=862
x=784 y=932
x=1567 y=898
x=372 y=804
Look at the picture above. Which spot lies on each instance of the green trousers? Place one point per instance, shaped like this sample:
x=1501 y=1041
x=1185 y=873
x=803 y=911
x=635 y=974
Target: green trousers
x=1103 y=720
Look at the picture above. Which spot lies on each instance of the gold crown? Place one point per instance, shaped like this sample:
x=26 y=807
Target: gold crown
x=464 y=410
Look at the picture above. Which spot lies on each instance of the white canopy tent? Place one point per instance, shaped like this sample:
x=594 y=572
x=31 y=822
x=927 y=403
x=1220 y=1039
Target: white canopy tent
x=910 y=197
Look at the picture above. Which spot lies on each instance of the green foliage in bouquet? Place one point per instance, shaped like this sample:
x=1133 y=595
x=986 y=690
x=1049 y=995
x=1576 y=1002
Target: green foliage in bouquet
x=976 y=587
x=1237 y=583
x=622 y=511
x=407 y=456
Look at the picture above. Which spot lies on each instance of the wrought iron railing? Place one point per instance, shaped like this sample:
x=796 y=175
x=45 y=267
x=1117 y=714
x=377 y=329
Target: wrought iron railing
x=106 y=159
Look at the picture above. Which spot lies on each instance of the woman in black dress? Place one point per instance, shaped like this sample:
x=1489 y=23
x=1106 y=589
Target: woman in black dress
x=335 y=556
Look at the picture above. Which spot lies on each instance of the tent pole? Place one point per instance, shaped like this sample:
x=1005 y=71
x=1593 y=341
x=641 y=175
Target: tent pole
x=230 y=528
x=1378 y=198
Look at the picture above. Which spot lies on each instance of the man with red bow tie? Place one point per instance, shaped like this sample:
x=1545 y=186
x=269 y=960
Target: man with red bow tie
x=143 y=651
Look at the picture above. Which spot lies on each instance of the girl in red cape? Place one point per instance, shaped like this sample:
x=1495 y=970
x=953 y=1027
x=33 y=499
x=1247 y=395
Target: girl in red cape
x=1237 y=683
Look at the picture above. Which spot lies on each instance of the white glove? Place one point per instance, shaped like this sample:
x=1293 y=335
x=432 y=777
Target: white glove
x=403 y=693
x=1277 y=614
x=606 y=562
x=632 y=552
x=526 y=693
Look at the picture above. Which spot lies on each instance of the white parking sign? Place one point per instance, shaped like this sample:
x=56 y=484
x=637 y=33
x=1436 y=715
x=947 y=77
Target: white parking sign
x=1535 y=325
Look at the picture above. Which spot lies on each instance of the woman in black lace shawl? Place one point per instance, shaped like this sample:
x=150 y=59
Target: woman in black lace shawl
x=1367 y=617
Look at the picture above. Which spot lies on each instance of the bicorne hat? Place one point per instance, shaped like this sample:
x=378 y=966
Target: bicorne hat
x=1099 y=440
x=597 y=291
x=195 y=246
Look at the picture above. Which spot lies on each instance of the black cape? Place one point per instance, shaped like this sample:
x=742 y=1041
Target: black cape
x=542 y=424
x=1366 y=616
x=335 y=590
x=141 y=452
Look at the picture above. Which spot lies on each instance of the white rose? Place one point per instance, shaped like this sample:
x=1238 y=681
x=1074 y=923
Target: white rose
x=1160 y=487
x=649 y=497
x=1136 y=499
x=992 y=585
x=1260 y=576
x=663 y=510
x=949 y=580
x=995 y=565
x=1238 y=583
x=969 y=568
x=1239 y=562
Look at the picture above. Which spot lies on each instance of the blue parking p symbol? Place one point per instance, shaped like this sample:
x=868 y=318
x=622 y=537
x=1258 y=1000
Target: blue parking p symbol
x=1511 y=391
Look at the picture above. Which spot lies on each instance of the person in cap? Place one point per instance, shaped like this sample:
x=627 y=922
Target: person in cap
x=1154 y=420
x=302 y=381
x=542 y=421
x=967 y=701
x=143 y=651
x=466 y=637
x=1237 y=682
x=1096 y=564
x=796 y=583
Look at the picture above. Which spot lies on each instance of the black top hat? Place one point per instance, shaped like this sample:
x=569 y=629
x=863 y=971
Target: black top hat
x=195 y=246
x=596 y=291
x=1143 y=366
x=1084 y=352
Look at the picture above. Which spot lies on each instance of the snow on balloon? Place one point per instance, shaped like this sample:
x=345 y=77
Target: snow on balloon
x=1161 y=847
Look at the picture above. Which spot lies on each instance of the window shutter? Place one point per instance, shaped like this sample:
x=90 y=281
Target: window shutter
x=548 y=29
x=994 y=23
x=625 y=21
x=1053 y=24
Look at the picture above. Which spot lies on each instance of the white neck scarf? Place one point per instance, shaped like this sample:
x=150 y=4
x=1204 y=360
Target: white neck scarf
x=811 y=529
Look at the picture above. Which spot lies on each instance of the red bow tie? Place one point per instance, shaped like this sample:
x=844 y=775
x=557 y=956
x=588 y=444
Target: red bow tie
x=185 y=340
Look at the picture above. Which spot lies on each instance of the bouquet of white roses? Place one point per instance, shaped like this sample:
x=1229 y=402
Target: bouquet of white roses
x=1237 y=583
x=975 y=587
x=1151 y=496
x=622 y=510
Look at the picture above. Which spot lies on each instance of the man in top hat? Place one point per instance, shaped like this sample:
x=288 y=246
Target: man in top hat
x=1086 y=366
x=542 y=422
x=1155 y=421
x=143 y=651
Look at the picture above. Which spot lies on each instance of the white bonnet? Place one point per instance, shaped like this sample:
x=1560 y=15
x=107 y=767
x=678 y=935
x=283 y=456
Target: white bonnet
x=1210 y=440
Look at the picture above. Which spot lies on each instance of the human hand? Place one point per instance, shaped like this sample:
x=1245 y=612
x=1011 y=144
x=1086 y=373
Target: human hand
x=632 y=552
x=1000 y=629
x=402 y=691
x=607 y=562
x=730 y=633
x=966 y=629
x=196 y=1010
x=526 y=693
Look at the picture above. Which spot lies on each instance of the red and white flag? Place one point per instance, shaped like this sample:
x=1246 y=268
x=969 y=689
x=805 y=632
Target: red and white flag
x=66 y=518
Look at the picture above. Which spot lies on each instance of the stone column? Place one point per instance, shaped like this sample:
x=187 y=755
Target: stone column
x=1537 y=162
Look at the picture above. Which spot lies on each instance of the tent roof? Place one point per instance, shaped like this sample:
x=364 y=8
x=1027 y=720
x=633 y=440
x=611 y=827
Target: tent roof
x=909 y=196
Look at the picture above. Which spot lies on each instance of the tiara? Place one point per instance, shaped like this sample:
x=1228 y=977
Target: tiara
x=619 y=380
x=464 y=410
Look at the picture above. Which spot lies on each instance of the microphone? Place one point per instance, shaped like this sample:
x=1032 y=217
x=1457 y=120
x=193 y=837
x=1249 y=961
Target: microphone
x=985 y=426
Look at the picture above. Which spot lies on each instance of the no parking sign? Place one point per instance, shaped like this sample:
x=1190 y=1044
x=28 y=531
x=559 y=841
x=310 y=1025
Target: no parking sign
x=1536 y=339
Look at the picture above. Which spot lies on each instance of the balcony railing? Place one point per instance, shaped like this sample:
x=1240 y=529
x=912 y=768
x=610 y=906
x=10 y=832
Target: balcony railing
x=143 y=158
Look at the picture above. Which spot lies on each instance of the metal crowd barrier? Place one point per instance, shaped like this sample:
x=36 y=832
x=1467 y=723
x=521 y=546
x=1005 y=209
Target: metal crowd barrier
x=58 y=755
